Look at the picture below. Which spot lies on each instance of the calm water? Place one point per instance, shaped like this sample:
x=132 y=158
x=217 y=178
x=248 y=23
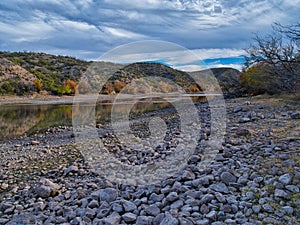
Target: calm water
x=25 y=119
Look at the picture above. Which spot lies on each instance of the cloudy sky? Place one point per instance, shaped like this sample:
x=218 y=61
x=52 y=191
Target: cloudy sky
x=216 y=30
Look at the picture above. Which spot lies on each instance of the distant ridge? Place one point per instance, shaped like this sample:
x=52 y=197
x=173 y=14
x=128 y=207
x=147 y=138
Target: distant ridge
x=25 y=73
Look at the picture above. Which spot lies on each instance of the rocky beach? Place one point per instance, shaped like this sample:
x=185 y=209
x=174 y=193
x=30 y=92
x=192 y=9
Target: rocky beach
x=254 y=178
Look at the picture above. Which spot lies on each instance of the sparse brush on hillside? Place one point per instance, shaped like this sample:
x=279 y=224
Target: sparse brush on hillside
x=53 y=74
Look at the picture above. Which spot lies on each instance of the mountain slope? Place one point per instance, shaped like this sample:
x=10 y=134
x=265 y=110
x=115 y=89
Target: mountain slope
x=156 y=78
x=50 y=72
x=228 y=79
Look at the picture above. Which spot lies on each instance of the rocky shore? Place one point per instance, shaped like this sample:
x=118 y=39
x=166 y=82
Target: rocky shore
x=254 y=179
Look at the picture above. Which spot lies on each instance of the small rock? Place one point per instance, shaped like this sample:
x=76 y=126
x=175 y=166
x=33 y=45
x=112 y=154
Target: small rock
x=176 y=205
x=188 y=175
x=108 y=195
x=46 y=188
x=267 y=208
x=153 y=210
x=129 y=206
x=237 y=109
x=220 y=187
x=93 y=204
x=207 y=198
x=172 y=196
x=129 y=217
x=227 y=178
x=71 y=169
x=169 y=220
x=285 y=178
x=295 y=115
x=244 y=120
x=211 y=215
x=256 y=208
x=288 y=209
x=281 y=194
x=143 y=220
x=113 y=219
x=4 y=186
x=292 y=188
x=203 y=222
x=35 y=142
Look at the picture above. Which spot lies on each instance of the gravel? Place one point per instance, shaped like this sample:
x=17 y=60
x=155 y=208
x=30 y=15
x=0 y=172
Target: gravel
x=254 y=178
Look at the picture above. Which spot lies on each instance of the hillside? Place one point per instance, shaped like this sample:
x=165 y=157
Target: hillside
x=39 y=72
x=228 y=79
x=157 y=78
x=25 y=73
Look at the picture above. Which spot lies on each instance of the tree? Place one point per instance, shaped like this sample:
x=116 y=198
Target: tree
x=280 y=52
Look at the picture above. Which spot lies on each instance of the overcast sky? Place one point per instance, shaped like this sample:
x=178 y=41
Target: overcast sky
x=216 y=30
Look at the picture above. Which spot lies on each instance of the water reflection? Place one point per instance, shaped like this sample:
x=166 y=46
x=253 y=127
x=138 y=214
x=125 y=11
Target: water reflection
x=22 y=119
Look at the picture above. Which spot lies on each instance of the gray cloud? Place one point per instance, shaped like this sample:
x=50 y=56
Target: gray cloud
x=87 y=28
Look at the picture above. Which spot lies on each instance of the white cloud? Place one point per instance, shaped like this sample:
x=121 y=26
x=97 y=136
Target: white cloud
x=122 y=33
x=216 y=29
x=190 y=68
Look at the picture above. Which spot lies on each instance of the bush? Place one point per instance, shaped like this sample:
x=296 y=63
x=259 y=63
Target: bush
x=38 y=84
x=84 y=87
x=257 y=80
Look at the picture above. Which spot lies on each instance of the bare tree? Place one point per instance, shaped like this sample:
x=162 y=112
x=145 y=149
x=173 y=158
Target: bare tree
x=278 y=51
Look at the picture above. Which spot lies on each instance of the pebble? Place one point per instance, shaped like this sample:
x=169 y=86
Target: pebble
x=252 y=180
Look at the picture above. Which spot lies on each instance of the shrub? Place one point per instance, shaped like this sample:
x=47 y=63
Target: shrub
x=83 y=87
x=256 y=80
x=38 y=84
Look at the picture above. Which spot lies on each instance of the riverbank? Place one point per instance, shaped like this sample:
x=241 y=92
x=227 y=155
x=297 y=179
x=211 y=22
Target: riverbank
x=254 y=179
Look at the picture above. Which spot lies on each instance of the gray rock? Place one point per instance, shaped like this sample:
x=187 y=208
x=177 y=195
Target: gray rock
x=108 y=195
x=129 y=217
x=129 y=206
x=172 y=196
x=117 y=207
x=285 y=178
x=211 y=215
x=156 y=198
x=230 y=221
x=46 y=188
x=202 y=222
x=169 y=220
x=184 y=221
x=281 y=194
x=237 y=109
x=113 y=219
x=143 y=220
x=288 y=209
x=93 y=204
x=176 y=205
x=90 y=213
x=71 y=169
x=204 y=209
x=295 y=115
x=256 y=208
x=227 y=178
x=220 y=187
x=153 y=210
x=207 y=198
x=188 y=175
x=244 y=120
x=292 y=188
x=158 y=218
x=267 y=208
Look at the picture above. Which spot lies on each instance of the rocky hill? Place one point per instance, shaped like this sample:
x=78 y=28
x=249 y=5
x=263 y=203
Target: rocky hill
x=39 y=72
x=155 y=78
x=228 y=79
x=24 y=73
